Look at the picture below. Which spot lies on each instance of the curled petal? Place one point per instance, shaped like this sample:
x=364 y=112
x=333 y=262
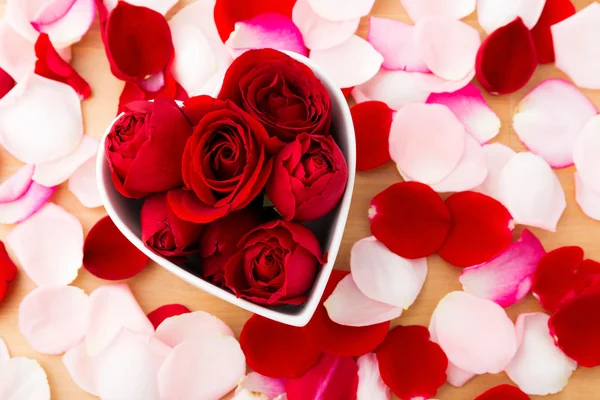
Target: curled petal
x=178 y=328
x=457 y=9
x=554 y=12
x=23 y=379
x=394 y=88
x=585 y=151
x=333 y=10
x=494 y=14
x=370 y=384
x=84 y=186
x=17 y=185
x=497 y=156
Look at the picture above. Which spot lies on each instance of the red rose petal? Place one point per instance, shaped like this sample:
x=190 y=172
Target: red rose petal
x=277 y=350
x=503 y=392
x=167 y=311
x=410 y=364
x=372 y=122
x=554 y=12
x=7 y=83
x=347 y=91
x=338 y=339
x=8 y=270
x=506 y=59
x=108 y=254
x=410 y=219
x=481 y=228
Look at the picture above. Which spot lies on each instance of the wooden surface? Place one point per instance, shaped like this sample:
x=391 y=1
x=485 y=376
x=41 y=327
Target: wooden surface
x=154 y=286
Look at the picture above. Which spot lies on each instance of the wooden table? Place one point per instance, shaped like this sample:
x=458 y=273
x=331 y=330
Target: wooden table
x=154 y=286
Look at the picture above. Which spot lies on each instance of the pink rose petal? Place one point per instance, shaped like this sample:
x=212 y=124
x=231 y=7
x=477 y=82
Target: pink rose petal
x=199 y=14
x=585 y=154
x=476 y=334
x=17 y=185
x=335 y=62
x=177 y=329
x=448 y=47
x=51 y=12
x=65 y=29
x=348 y=306
x=426 y=141
x=497 y=156
x=201 y=368
x=456 y=9
x=334 y=10
x=320 y=33
x=531 y=191
x=84 y=186
x=506 y=278
x=4 y=354
x=539 y=367
x=23 y=379
x=384 y=276
x=261 y=385
x=25 y=206
x=496 y=13
x=161 y=6
x=154 y=83
x=370 y=384
x=17 y=54
x=587 y=198
x=576 y=46
x=435 y=84
x=471 y=109
x=394 y=88
x=52 y=319
x=549 y=119
x=81 y=369
x=49 y=246
x=396 y=42
x=268 y=30
x=57 y=127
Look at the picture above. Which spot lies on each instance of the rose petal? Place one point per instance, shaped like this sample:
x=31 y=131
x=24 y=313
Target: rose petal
x=6 y=83
x=17 y=185
x=506 y=59
x=476 y=334
x=426 y=141
x=63 y=31
x=161 y=6
x=199 y=14
x=57 y=262
x=457 y=9
x=585 y=151
x=4 y=354
x=26 y=205
x=256 y=383
x=334 y=10
x=370 y=384
x=17 y=55
x=503 y=392
x=587 y=198
x=8 y=271
x=335 y=60
x=57 y=129
x=472 y=111
x=84 y=186
x=372 y=122
x=434 y=84
x=494 y=14
x=497 y=156
x=80 y=368
x=554 y=12
x=109 y=255
x=531 y=191
x=394 y=88
x=165 y=312
x=23 y=379
x=177 y=329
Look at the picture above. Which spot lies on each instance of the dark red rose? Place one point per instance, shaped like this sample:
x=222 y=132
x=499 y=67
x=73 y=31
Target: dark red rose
x=276 y=264
x=145 y=145
x=225 y=163
x=164 y=233
x=281 y=93
x=308 y=179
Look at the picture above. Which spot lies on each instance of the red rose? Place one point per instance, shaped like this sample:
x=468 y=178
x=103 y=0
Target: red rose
x=225 y=164
x=144 y=147
x=309 y=178
x=276 y=264
x=281 y=93
x=164 y=233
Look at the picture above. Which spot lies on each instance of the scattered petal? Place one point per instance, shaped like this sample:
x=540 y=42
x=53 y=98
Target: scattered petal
x=372 y=122
x=79 y=366
x=434 y=84
x=458 y=377
x=503 y=392
x=161 y=6
x=8 y=272
x=587 y=198
x=263 y=385
x=167 y=311
x=394 y=88
x=497 y=156
x=370 y=384
x=457 y=9
x=26 y=205
x=585 y=154
x=17 y=55
x=4 y=354
x=336 y=10
x=6 y=83
x=554 y=12
x=494 y=14
x=17 y=185
x=23 y=379
x=199 y=14
x=84 y=186
x=177 y=329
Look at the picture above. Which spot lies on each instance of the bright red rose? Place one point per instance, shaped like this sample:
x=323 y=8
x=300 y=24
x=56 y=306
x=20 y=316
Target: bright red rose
x=309 y=178
x=144 y=147
x=164 y=233
x=281 y=93
x=225 y=163
x=276 y=264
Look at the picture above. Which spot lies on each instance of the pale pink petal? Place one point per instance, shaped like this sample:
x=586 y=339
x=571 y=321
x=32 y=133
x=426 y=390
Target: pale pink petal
x=336 y=62
x=70 y=27
x=199 y=14
x=51 y=12
x=585 y=154
x=113 y=307
x=531 y=191
x=17 y=54
x=456 y=9
x=17 y=185
x=57 y=127
x=506 y=278
x=25 y=206
x=587 y=198
x=205 y=367
x=476 y=334
x=52 y=319
x=84 y=186
x=471 y=109
x=496 y=13
x=49 y=246
x=347 y=305
x=81 y=369
x=435 y=84
x=549 y=119
x=161 y=6
x=370 y=384
x=426 y=141
x=23 y=379
x=396 y=43
x=341 y=10
x=4 y=354
x=448 y=47
x=497 y=156
x=539 y=367
x=259 y=384
x=394 y=88
x=177 y=329
x=384 y=276
x=154 y=83
x=576 y=46
x=268 y=30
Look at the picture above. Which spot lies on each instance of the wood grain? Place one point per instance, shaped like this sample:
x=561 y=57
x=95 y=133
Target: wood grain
x=154 y=286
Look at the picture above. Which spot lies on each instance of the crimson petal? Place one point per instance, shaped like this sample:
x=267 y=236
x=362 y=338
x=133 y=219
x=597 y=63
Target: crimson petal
x=372 y=122
x=554 y=12
x=6 y=83
x=167 y=311
x=503 y=392
x=8 y=270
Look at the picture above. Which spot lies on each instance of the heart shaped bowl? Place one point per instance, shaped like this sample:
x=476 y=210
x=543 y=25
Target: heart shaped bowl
x=125 y=213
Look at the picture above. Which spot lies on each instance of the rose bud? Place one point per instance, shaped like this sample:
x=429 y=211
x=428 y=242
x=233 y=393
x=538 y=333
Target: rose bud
x=219 y=242
x=308 y=179
x=145 y=145
x=164 y=233
x=225 y=165
x=276 y=264
x=281 y=93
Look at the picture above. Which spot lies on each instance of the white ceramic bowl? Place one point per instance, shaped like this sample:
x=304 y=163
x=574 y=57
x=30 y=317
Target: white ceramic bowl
x=126 y=215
